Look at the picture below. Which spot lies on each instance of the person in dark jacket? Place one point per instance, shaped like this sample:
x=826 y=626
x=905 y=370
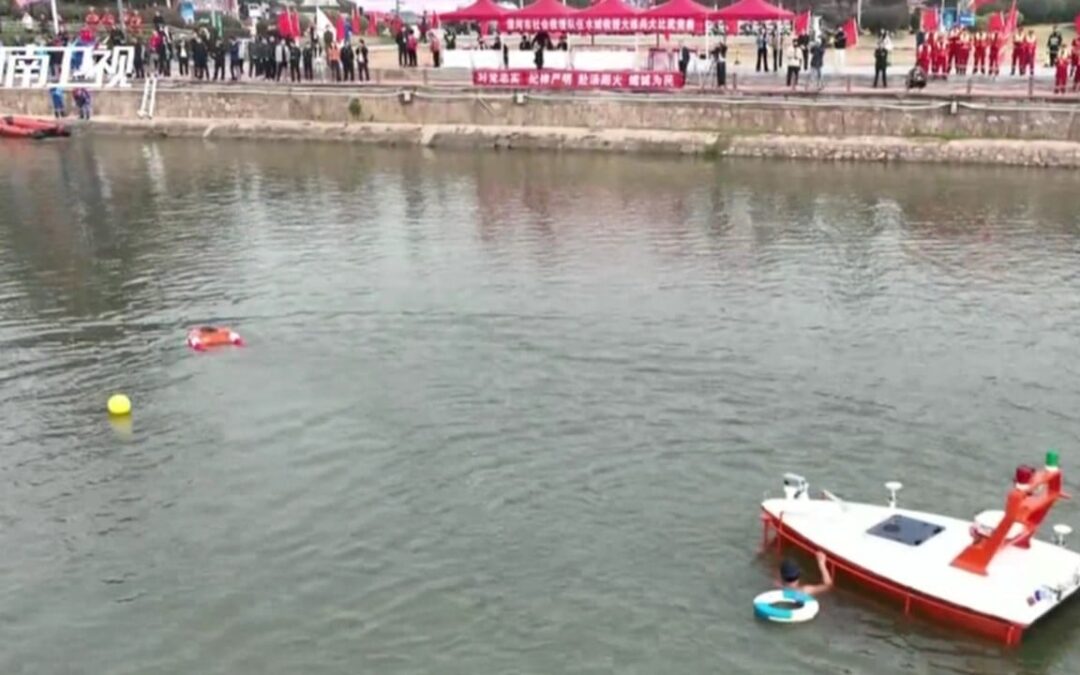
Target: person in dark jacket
x=308 y=57
x=719 y=55
x=200 y=56
x=538 y=57
x=362 y=63
x=294 y=62
x=762 y=41
x=236 y=60
x=881 y=63
x=348 y=63
x=402 y=55
x=139 y=59
x=684 y=60
x=219 y=60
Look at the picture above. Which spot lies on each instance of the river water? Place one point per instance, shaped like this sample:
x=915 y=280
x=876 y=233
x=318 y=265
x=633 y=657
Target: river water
x=503 y=413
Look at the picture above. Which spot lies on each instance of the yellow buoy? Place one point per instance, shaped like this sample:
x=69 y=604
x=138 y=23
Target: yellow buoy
x=119 y=405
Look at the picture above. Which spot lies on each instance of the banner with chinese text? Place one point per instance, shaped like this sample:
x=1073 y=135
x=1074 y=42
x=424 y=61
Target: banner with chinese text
x=578 y=79
x=598 y=25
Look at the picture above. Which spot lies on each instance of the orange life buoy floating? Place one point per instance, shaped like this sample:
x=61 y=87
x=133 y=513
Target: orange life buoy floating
x=206 y=337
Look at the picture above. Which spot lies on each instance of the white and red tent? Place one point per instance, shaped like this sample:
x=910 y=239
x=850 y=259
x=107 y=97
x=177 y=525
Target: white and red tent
x=678 y=16
x=752 y=10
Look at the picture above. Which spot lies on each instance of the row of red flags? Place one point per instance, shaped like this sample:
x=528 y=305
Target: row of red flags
x=288 y=24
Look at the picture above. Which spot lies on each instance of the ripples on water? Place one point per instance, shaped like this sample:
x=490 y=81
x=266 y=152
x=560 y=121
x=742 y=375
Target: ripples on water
x=501 y=413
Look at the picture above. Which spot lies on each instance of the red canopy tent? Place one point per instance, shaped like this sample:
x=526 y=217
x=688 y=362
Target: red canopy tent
x=610 y=9
x=480 y=10
x=549 y=15
x=676 y=16
x=610 y=16
x=752 y=10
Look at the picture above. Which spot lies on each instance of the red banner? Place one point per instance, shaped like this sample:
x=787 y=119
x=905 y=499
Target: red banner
x=578 y=79
x=599 y=25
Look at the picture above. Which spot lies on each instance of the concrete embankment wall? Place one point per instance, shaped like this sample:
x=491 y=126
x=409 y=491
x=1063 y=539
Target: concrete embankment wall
x=879 y=130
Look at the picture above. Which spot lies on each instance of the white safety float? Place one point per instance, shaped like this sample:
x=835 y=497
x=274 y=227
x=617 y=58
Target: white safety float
x=785 y=605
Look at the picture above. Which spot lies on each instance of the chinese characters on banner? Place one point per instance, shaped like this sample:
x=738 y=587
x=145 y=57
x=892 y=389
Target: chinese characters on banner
x=634 y=24
x=34 y=67
x=578 y=79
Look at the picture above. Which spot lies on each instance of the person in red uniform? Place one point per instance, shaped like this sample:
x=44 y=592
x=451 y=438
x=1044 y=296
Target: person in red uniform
x=980 y=53
x=923 y=55
x=942 y=60
x=133 y=21
x=952 y=49
x=963 y=53
x=993 y=52
x=1027 y=63
x=92 y=20
x=1061 y=74
x=1076 y=63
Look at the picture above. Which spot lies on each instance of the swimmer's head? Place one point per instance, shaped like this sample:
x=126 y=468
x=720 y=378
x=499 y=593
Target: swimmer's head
x=789 y=571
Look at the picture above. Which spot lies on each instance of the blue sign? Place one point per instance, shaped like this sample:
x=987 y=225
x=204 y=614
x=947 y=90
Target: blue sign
x=187 y=12
x=948 y=18
x=967 y=19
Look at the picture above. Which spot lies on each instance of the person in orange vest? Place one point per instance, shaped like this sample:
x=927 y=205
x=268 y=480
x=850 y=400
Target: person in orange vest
x=980 y=54
x=1061 y=74
x=1017 y=50
x=963 y=53
x=994 y=53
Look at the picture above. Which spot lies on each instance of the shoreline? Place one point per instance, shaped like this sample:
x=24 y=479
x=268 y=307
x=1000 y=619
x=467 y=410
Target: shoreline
x=881 y=149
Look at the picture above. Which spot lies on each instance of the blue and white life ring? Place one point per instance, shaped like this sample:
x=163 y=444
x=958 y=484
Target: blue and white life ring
x=785 y=605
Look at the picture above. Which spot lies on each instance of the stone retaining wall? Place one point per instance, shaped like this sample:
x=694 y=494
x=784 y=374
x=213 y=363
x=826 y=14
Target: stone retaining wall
x=728 y=116
x=1057 y=154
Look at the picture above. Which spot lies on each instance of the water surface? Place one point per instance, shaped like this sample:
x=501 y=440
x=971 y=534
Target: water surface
x=503 y=413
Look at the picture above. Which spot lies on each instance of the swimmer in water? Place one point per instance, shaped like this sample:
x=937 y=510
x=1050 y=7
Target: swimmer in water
x=789 y=576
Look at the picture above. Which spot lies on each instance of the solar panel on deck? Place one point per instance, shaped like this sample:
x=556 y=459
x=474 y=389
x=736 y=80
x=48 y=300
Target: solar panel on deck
x=905 y=530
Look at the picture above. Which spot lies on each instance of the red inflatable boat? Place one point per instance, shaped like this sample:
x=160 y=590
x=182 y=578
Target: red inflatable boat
x=28 y=127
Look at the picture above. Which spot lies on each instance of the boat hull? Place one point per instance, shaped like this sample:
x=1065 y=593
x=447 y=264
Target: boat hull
x=1003 y=619
x=28 y=127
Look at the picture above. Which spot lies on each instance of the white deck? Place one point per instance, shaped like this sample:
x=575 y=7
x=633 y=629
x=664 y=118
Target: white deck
x=1012 y=577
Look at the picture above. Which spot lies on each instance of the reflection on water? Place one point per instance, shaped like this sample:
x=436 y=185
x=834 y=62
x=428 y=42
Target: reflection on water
x=501 y=412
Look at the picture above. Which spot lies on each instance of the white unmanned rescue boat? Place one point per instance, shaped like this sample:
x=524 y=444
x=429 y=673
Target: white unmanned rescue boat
x=988 y=575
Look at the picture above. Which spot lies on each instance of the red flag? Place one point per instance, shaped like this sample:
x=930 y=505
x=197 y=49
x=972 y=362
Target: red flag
x=356 y=20
x=1078 y=24
x=435 y=20
x=1010 y=19
x=373 y=24
x=284 y=27
x=851 y=31
x=339 y=26
x=930 y=20
x=294 y=25
x=802 y=23
x=731 y=27
x=996 y=23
